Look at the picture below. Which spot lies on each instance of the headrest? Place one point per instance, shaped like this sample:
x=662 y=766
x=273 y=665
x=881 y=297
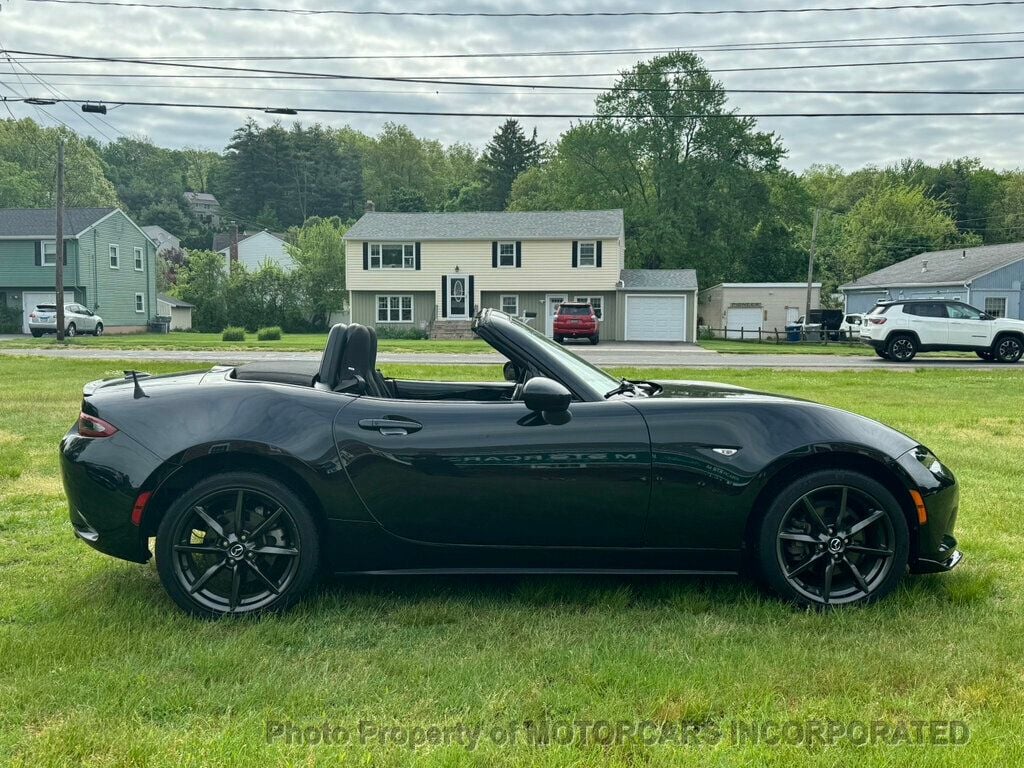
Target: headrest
x=330 y=363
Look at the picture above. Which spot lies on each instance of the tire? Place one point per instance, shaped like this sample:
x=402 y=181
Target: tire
x=71 y=330
x=1008 y=349
x=881 y=354
x=98 y=330
x=37 y=334
x=901 y=347
x=225 y=572
x=560 y=339
x=807 y=560
x=984 y=354
x=595 y=339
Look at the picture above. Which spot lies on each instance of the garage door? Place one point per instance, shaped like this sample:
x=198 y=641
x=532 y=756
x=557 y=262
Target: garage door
x=747 y=318
x=655 y=318
x=29 y=301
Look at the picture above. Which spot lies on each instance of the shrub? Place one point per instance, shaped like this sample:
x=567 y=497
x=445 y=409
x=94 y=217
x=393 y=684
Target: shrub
x=233 y=333
x=273 y=333
x=392 y=332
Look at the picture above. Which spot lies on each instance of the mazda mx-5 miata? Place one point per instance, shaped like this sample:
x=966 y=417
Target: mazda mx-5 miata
x=256 y=479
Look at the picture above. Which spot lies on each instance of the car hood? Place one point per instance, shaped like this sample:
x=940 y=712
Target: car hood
x=708 y=389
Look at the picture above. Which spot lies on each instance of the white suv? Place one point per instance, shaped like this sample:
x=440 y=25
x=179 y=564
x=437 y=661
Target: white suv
x=898 y=330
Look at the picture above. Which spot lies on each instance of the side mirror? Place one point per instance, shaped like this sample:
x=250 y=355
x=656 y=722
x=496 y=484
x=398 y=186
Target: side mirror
x=987 y=316
x=509 y=371
x=546 y=396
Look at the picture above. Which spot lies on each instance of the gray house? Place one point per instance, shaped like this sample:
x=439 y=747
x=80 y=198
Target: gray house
x=988 y=277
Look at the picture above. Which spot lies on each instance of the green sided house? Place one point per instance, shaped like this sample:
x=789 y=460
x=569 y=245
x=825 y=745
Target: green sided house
x=435 y=270
x=109 y=266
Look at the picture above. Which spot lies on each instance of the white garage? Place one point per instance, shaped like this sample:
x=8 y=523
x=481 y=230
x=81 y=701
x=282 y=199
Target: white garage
x=655 y=318
x=743 y=322
x=657 y=305
x=29 y=300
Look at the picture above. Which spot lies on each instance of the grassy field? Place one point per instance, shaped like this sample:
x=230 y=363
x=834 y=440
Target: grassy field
x=290 y=342
x=771 y=348
x=98 y=668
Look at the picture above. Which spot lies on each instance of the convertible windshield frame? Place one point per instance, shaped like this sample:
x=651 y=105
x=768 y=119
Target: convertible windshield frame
x=527 y=346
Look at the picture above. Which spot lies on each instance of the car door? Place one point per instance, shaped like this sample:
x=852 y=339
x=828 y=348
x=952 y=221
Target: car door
x=495 y=473
x=928 y=320
x=966 y=326
x=80 y=316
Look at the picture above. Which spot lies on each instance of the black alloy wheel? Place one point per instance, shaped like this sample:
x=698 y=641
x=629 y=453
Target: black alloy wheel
x=901 y=348
x=834 y=538
x=1008 y=349
x=237 y=544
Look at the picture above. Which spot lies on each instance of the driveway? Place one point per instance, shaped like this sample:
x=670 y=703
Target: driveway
x=613 y=354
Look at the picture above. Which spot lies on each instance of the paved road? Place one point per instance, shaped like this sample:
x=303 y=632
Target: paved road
x=607 y=355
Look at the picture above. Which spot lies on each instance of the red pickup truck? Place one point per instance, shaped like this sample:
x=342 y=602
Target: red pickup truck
x=576 y=320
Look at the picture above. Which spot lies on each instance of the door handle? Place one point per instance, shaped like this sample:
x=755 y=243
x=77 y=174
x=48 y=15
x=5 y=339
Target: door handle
x=391 y=426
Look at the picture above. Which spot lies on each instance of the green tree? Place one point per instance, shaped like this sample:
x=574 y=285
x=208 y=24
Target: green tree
x=203 y=281
x=1006 y=222
x=319 y=255
x=509 y=152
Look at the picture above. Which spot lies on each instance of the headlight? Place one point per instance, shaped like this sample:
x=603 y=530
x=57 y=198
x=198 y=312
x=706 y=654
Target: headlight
x=928 y=460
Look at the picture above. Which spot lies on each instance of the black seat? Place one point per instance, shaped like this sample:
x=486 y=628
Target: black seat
x=330 y=364
x=382 y=384
x=357 y=363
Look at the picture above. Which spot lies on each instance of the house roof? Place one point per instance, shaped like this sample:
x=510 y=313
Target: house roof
x=533 y=225
x=222 y=240
x=201 y=197
x=42 y=222
x=178 y=303
x=956 y=266
x=763 y=285
x=659 y=279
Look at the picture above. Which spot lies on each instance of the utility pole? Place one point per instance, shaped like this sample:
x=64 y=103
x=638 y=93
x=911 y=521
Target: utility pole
x=810 y=268
x=59 y=247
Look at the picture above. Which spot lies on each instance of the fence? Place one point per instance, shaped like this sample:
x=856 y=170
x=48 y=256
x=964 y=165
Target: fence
x=776 y=336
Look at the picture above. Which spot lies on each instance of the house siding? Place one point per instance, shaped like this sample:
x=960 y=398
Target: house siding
x=861 y=301
x=112 y=293
x=714 y=303
x=259 y=249
x=1005 y=282
x=364 y=308
x=535 y=301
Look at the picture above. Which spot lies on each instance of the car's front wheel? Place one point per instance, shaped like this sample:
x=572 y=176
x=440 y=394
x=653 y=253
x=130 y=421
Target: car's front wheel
x=560 y=339
x=881 y=354
x=833 y=538
x=901 y=347
x=237 y=544
x=595 y=339
x=98 y=330
x=71 y=330
x=1008 y=349
x=984 y=354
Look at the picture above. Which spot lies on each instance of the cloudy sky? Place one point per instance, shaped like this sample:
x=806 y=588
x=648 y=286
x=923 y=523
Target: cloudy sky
x=851 y=142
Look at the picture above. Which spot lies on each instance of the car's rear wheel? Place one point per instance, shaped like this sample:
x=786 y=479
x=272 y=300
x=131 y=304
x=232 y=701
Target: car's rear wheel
x=560 y=339
x=71 y=330
x=98 y=331
x=1008 y=349
x=881 y=354
x=237 y=544
x=37 y=334
x=833 y=538
x=901 y=347
x=595 y=339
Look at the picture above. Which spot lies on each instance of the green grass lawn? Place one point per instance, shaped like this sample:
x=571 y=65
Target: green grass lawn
x=290 y=342
x=771 y=348
x=98 y=668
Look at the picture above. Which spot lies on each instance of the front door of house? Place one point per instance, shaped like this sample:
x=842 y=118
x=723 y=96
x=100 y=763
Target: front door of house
x=458 y=297
x=553 y=302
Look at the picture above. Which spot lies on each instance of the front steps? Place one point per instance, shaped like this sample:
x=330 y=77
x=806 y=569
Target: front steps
x=452 y=329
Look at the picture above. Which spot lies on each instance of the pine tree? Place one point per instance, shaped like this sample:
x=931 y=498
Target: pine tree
x=508 y=154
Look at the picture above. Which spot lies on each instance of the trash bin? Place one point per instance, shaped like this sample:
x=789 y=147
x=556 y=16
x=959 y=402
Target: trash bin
x=160 y=324
x=812 y=332
x=792 y=333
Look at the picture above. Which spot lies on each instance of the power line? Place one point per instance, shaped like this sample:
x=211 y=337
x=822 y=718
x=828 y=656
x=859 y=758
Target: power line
x=542 y=15
x=485 y=82
x=535 y=115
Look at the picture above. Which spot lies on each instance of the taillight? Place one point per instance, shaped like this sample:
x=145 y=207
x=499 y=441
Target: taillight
x=93 y=426
x=31 y=315
x=876 y=320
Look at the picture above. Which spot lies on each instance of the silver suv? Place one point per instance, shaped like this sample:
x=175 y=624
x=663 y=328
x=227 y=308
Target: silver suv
x=77 y=319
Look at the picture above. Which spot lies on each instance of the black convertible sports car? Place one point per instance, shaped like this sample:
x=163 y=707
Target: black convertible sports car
x=255 y=479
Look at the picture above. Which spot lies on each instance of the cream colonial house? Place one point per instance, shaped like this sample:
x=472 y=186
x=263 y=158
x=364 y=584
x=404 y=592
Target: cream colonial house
x=435 y=270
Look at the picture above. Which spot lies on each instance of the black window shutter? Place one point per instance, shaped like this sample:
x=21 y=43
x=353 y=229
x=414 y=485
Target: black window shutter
x=519 y=253
x=444 y=296
x=470 y=303
x=598 y=256
x=494 y=254
x=39 y=254
x=366 y=255
x=575 y=253
x=65 y=253
x=417 y=255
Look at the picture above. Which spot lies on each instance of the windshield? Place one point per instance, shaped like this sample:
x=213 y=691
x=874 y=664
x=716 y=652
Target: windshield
x=593 y=376
x=567 y=309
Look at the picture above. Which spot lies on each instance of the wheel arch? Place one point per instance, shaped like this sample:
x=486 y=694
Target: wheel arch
x=1004 y=333
x=279 y=468
x=903 y=332
x=787 y=472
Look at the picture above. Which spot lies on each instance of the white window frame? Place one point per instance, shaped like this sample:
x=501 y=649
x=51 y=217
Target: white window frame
x=408 y=255
x=1002 y=312
x=140 y=303
x=593 y=254
x=42 y=253
x=114 y=255
x=140 y=259
x=514 y=297
x=599 y=310
x=511 y=256
x=394 y=304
